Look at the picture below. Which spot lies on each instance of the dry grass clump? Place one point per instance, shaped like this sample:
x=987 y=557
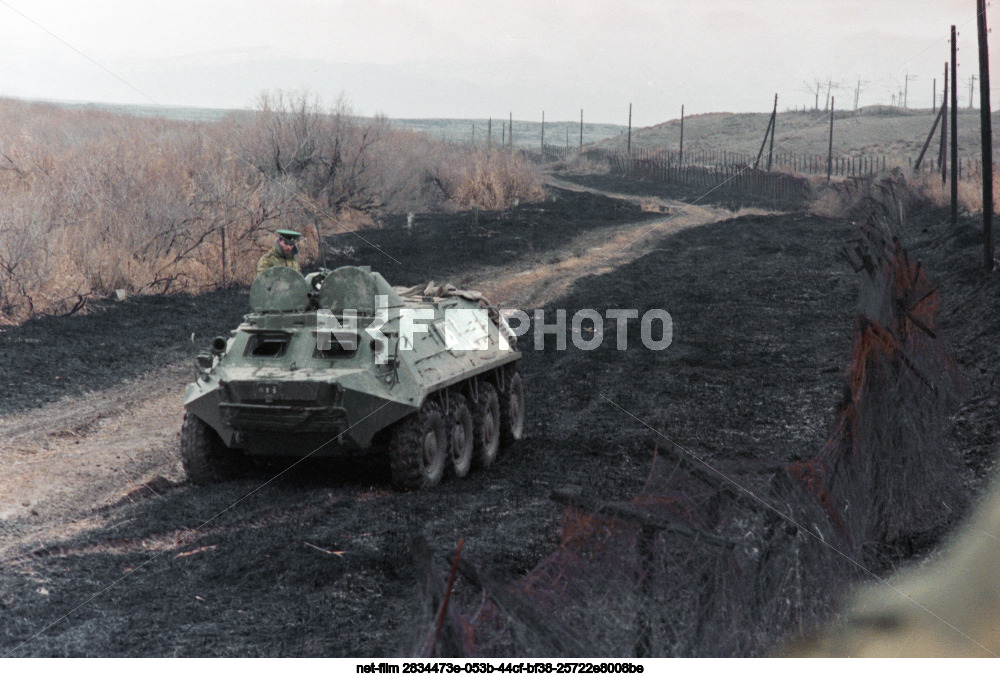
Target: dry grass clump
x=93 y=202
x=583 y=163
x=494 y=179
x=970 y=191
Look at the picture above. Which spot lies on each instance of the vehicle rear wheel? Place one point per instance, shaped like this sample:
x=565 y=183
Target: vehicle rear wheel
x=486 y=425
x=205 y=457
x=461 y=438
x=419 y=449
x=512 y=409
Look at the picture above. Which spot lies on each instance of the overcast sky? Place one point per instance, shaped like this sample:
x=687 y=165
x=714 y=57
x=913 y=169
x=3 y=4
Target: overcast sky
x=481 y=58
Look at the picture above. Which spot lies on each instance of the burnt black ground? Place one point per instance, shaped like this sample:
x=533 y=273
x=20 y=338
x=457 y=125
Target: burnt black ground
x=317 y=563
x=444 y=247
x=969 y=318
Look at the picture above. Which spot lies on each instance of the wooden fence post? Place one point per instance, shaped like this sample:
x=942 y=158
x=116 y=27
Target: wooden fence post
x=774 y=123
x=930 y=136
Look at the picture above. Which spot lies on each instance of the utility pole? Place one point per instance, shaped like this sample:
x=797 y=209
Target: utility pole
x=972 y=84
x=954 y=128
x=943 y=160
x=906 y=89
x=680 y=157
x=857 y=93
x=987 y=135
x=829 y=152
x=630 y=130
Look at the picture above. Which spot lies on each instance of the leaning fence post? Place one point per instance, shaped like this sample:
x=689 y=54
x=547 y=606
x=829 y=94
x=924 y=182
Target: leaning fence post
x=774 y=123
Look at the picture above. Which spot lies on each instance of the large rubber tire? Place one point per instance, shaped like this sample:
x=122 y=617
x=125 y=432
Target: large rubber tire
x=418 y=451
x=205 y=458
x=461 y=435
x=486 y=425
x=512 y=409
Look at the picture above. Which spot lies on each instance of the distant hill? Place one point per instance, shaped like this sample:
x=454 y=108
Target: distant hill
x=151 y=111
x=527 y=134
x=875 y=130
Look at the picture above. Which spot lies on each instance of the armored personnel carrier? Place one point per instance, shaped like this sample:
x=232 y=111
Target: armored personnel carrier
x=340 y=361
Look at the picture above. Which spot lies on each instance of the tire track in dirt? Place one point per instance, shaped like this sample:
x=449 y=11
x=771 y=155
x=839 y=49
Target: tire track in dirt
x=61 y=462
x=594 y=253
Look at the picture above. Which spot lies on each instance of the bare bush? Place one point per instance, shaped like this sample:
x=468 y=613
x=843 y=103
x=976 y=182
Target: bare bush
x=494 y=179
x=94 y=202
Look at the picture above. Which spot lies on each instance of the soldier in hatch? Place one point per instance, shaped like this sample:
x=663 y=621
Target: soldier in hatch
x=283 y=253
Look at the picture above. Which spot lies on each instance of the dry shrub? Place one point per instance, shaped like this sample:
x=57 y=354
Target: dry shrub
x=484 y=179
x=494 y=179
x=93 y=201
x=849 y=197
x=583 y=163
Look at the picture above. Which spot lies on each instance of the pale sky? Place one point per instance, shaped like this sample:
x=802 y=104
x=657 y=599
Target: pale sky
x=488 y=58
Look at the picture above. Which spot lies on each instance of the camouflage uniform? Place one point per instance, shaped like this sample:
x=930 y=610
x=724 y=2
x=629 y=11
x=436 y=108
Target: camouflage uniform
x=275 y=257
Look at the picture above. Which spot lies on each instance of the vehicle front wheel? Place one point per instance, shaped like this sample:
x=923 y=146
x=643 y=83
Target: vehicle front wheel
x=419 y=449
x=205 y=457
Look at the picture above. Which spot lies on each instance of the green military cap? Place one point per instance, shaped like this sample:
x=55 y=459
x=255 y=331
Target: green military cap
x=289 y=234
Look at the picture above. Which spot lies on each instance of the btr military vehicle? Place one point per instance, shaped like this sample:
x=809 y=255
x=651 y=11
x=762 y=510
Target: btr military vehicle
x=340 y=362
